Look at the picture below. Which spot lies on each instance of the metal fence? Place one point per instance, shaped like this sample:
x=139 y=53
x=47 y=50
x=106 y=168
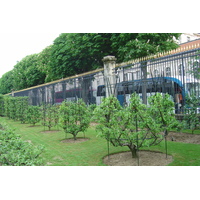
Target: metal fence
x=175 y=74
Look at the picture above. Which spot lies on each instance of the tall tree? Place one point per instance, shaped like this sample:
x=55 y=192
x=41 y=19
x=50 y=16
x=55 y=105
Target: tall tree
x=43 y=62
x=75 y=53
x=137 y=45
x=26 y=74
x=6 y=82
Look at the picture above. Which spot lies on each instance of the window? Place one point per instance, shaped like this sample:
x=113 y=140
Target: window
x=180 y=70
x=156 y=73
x=196 y=65
x=138 y=75
x=168 y=71
x=101 y=90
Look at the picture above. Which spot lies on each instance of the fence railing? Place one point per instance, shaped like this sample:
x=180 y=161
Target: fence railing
x=175 y=73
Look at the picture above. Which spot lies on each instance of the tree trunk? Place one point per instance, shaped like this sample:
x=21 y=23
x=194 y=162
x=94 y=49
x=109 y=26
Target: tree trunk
x=133 y=150
x=74 y=135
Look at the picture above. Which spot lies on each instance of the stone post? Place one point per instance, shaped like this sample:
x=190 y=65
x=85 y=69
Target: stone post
x=109 y=74
x=12 y=92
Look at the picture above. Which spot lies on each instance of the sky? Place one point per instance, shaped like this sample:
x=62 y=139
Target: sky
x=15 y=46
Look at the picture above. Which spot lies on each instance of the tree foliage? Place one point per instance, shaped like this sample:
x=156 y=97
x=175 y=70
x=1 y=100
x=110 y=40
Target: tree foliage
x=21 y=108
x=26 y=73
x=192 y=116
x=195 y=66
x=43 y=62
x=75 y=53
x=130 y=126
x=162 y=110
x=16 y=152
x=6 y=82
x=137 y=125
x=2 y=105
x=49 y=115
x=15 y=108
x=33 y=114
x=74 y=117
x=137 y=45
x=7 y=105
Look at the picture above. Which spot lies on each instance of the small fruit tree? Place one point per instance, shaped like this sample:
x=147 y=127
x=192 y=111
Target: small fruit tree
x=74 y=117
x=55 y=111
x=33 y=114
x=21 y=108
x=7 y=106
x=192 y=117
x=49 y=115
x=131 y=126
x=162 y=110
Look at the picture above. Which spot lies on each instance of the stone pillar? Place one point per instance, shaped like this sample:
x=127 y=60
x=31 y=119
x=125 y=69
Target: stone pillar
x=12 y=93
x=109 y=75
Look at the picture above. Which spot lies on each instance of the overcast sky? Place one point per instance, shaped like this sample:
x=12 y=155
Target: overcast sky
x=15 y=46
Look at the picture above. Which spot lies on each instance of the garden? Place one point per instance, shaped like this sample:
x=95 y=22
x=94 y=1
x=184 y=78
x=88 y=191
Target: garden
x=73 y=134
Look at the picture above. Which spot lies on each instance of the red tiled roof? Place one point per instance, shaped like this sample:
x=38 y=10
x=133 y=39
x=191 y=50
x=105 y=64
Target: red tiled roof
x=191 y=43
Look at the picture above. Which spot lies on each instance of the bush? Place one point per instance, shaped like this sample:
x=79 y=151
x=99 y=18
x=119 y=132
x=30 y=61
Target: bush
x=130 y=126
x=15 y=152
x=191 y=117
x=33 y=114
x=49 y=115
x=137 y=125
x=21 y=108
x=1 y=105
x=74 y=117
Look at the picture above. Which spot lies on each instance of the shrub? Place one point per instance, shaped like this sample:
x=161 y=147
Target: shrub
x=21 y=108
x=33 y=114
x=74 y=117
x=130 y=126
x=191 y=117
x=1 y=105
x=162 y=110
x=15 y=152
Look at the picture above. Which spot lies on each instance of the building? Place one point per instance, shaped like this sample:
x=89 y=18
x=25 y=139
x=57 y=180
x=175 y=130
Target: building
x=188 y=37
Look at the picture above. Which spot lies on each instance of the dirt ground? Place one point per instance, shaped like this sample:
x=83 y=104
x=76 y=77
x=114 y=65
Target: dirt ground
x=150 y=158
x=146 y=158
x=184 y=137
x=78 y=140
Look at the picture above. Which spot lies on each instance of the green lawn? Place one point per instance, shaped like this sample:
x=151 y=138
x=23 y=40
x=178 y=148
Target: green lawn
x=88 y=153
x=91 y=152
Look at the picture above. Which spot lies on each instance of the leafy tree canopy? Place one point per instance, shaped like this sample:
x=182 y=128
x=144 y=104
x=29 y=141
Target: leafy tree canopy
x=6 y=82
x=136 y=45
x=75 y=53
x=26 y=73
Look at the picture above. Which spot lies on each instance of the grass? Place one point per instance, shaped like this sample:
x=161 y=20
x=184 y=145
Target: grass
x=88 y=153
x=92 y=151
